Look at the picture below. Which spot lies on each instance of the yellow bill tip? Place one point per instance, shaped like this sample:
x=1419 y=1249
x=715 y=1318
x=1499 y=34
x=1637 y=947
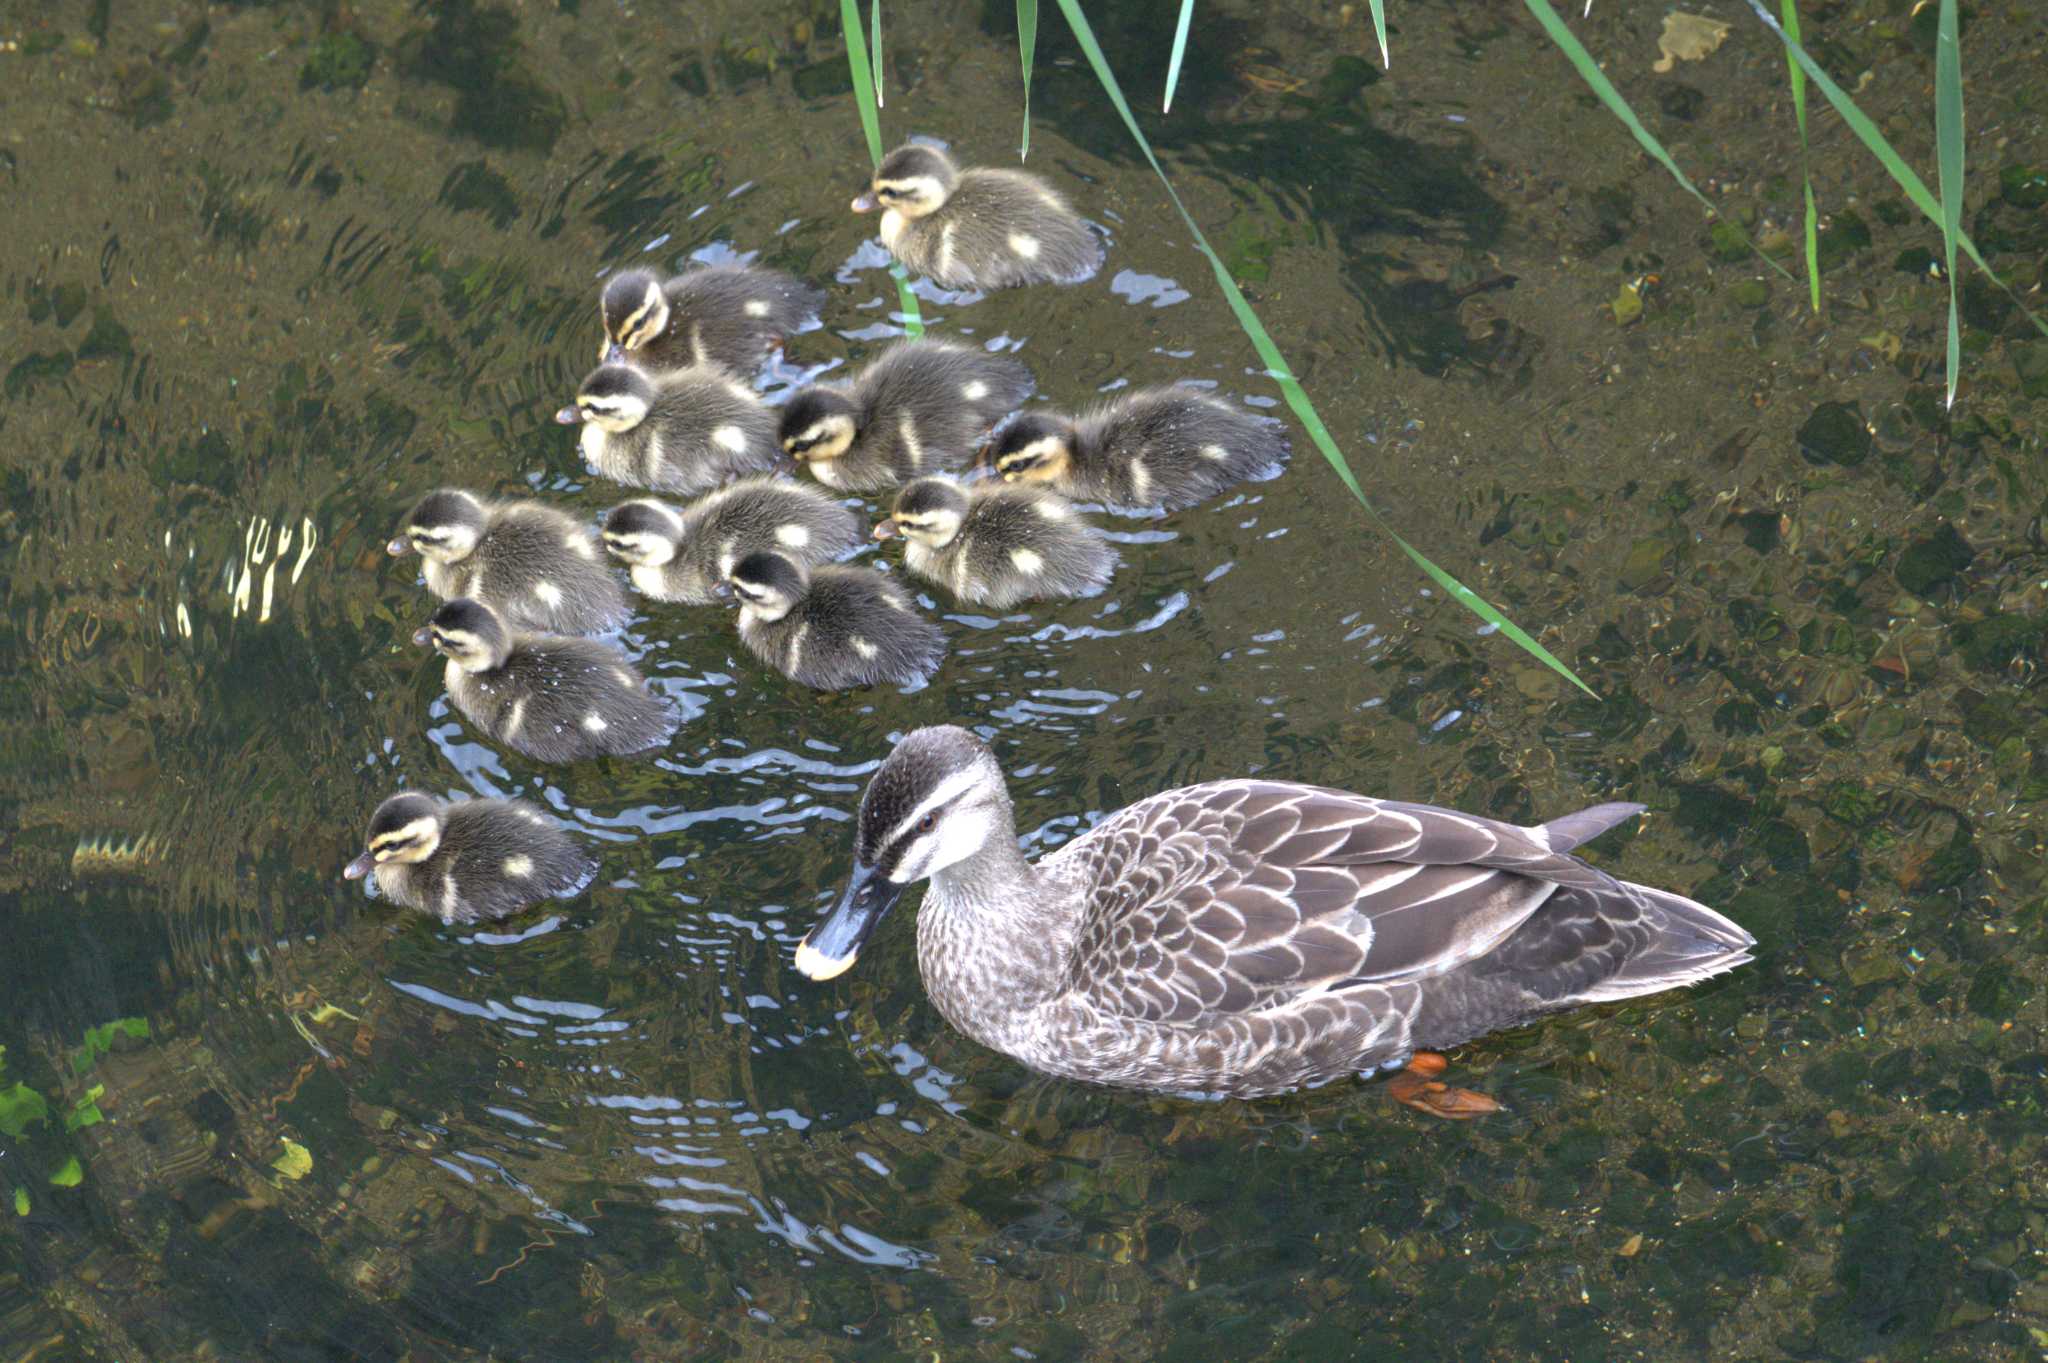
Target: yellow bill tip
x=818 y=966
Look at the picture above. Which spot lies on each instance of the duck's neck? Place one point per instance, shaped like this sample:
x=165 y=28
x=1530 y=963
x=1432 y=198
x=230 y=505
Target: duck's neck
x=991 y=941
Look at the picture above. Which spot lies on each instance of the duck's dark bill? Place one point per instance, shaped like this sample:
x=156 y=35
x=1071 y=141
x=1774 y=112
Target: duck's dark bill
x=864 y=204
x=569 y=416
x=399 y=547
x=829 y=948
x=360 y=867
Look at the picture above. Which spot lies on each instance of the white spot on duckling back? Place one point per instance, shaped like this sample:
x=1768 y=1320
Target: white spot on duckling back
x=1141 y=483
x=1024 y=245
x=913 y=448
x=1028 y=560
x=862 y=646
x=548 y=592
x=975 y=392
x=1215 y=452
x=793 y=536
x=1051 y=509
x=626 y=679
x=579 y=544
x=730 y=438
x=595 y=722
x=519 y=866
x=450 y=898
x=515 y=718
x=756 y=308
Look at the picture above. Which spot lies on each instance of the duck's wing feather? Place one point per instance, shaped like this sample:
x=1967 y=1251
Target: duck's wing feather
x=1239 y=896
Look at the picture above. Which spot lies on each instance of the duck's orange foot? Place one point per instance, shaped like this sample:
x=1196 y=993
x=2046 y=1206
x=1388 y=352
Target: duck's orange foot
x=1419 y=1087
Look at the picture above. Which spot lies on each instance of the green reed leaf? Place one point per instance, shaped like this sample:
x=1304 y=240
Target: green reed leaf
x=1948 y=149
x=1596 y=80
x=866 y=97
x=1277 y=367
x=1790 y=9
x=1903 y=175
x=1379 y=30
x=1180 y=49
x=1027 y=48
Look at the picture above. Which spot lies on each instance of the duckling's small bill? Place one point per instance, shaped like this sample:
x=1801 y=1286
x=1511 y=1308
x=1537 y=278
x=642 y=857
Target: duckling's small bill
x=830 y=948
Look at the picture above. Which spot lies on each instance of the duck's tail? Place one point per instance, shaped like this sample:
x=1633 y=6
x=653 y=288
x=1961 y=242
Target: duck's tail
x=1686 y=942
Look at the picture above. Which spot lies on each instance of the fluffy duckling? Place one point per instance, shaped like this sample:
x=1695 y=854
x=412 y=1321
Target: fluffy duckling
x=832 y=628
x=471 y=860
x=556 y=699
x=921 y=407
x=536 y=566
x=682 y=554
x=1163 y=447
x=977 y=228
x=998 y=544
x=684 y=432
x=730 y=315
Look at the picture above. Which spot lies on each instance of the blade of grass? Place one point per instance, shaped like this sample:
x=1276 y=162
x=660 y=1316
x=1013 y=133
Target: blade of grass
x=1948 y=147
x=1903 y=175
x=1276 y=364
x=1798 y=78
x=875 y=16
x=1027 y=48
x=871 y=124
x=1180 y=49
x=1379 y=30
x=1596 y=79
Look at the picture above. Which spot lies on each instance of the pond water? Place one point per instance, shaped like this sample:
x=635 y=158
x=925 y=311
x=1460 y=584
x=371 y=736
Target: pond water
x=272 y=270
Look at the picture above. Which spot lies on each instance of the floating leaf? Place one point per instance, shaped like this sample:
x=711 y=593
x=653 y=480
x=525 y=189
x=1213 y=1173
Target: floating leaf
x=296 y=1162
x=86 y=1111
x=19 y=1106
x=20 y=1201
x=70 y=1176
x=100 y=1040
x=1687 y=38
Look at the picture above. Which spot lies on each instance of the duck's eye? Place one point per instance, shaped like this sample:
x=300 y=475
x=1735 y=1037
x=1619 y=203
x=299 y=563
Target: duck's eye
x=927 y=823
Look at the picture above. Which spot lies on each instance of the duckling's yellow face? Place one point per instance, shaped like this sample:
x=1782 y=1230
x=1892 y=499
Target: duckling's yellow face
x=934 y=529
x=640 y=548
x=1045 y=460
x=612 y=413
x=826 y=438
x=644 y=323
x=442 y=543
x=909 y=197
x=467 y=650
x=411 y=842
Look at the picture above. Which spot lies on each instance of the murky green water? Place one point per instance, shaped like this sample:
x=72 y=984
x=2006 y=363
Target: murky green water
x=272 y=270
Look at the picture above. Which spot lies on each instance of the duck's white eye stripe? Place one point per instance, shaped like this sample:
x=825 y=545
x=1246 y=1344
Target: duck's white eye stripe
x=947 y=791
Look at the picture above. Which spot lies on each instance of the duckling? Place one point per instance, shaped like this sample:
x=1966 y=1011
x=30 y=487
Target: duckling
x=730 y=315
x=536 y=566
x=683 y=553
x=977 y=228
x=922 y=406
x=689 y=430
x=556 y=699
x=998 y=544
x=470 y=860
x=832 y=628
x=1165 y=447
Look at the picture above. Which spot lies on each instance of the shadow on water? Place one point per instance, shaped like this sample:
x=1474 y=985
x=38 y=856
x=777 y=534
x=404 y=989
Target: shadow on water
x=278 y=268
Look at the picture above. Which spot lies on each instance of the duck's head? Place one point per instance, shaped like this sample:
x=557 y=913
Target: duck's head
x=769 y=584
x=912 y=181
x=1037 y=447
x=443 y=526
x=643 y=534
x=928 y=510
x=818 y=423
x=937 y=801
x=406 y=827
x=469 y=634
x=634 y=309
x=613 y=397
